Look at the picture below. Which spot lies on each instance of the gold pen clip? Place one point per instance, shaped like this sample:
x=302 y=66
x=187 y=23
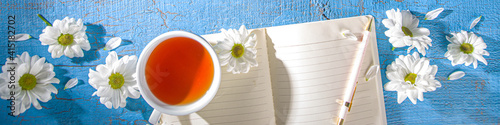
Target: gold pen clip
x=350 y=105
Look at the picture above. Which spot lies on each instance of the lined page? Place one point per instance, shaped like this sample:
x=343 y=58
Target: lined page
x=310 y=64
x=242 y=99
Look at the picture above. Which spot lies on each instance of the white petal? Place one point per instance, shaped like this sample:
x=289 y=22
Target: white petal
x=68 y=52
x=25 y=57
x=22 y=69
x=392 y=86
x=78 y=50
x=374 y=70
x=456 y=75
x=111 y=58
x=251 y=60
x=475 y=64
x=431 y=15
x=103 y=70
x=475 y=22
x=480 y=58
x=45 y=76
x=113 y=43
x=36 y=104
x=433 y=70
x=56 y=51
x=115 y=98
x=223 y=45
x=245 y=68
x=421 y=96
x=224 y=57
x=388 y=23
x=37 y=66
x=401 y=97
x=105 y=91
x=42 y=92
x=85 y=45
x=71 y=83
x=349 y=35
x=397 y=42
x=412 y=95
x=51 y=87
x=21 y=37
x=134 y=93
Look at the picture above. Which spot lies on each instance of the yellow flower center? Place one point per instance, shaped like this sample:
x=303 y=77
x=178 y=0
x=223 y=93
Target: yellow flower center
x=116 y=80
x=411 y=77
x=65 y=39
x=467 y=48
x=407 y=31
x=27 y=82
x=237 y=50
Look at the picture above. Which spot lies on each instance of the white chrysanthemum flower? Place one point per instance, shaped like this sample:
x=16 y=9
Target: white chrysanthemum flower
x=403 y=31
x=411 y=76
x=66 y=37
x=466 y=48
x=115 y=81
x=237 y=50
x=32 y=81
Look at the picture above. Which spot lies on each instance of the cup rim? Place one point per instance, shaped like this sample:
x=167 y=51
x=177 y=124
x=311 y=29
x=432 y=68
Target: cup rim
x=176 y=109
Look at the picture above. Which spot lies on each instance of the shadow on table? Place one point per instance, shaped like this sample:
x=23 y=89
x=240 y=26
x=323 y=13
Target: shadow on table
x=63 y=106
x=139 y=105
x=95 y=34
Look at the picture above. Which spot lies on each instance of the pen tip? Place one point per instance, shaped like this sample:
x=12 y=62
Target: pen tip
x=369 y=25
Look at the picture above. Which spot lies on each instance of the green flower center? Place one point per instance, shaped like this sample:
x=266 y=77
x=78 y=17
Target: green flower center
x=407 y=31
x=65 y=39
x=467 y=48
x=27 y=82
x=116 y=80
x=411 y=77
x=237 y=50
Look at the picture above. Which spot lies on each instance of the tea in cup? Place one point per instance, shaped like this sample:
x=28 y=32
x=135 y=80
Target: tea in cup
x=178 y=73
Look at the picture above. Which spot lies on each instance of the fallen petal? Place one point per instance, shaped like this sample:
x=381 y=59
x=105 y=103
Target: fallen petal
x=431 y=15
x=349 y=35
x=113 y=43
x=71 y=83
x=20 y=37
x=456 y=75
x=475 y=22
x=372 y=72
x=339 y=101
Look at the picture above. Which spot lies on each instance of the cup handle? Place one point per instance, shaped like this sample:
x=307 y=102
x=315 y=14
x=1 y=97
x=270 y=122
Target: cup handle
x=155 y=116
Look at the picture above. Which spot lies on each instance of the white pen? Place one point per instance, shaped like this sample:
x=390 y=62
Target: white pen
x=352 y=82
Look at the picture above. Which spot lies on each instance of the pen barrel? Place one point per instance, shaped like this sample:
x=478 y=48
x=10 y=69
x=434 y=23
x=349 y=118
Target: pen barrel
x=351 y=84
x=356 y=67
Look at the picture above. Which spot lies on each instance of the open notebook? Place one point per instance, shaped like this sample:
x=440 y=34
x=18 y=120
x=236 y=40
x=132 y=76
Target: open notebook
x=303 y=69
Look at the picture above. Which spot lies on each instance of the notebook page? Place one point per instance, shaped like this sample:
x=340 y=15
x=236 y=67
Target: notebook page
x=242 y=99
x=310 y=64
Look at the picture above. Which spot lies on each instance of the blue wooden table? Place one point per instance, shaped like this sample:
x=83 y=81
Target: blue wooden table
x=473 y=99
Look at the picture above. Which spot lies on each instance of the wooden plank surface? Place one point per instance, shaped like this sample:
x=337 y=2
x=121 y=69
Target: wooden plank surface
x=474 y=99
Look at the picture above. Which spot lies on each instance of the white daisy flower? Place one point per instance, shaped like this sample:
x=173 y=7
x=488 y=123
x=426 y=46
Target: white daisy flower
x=66 y=37
x=33 y=78
x=411 y=76
x=115 y=80
x=403 y=31
x=466 y=48
x=237 y=50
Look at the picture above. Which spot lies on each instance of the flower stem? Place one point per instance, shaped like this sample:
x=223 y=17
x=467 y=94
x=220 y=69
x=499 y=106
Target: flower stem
x=44 y=20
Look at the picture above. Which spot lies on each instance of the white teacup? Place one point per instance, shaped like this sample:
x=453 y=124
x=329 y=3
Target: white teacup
x=161 y=107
